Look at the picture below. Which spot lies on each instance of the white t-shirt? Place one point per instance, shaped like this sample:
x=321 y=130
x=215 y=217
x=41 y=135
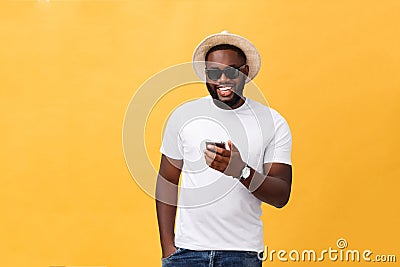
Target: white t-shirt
x=215 y=211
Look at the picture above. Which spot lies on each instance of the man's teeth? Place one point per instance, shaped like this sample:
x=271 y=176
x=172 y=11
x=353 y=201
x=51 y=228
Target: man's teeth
x=225 y=88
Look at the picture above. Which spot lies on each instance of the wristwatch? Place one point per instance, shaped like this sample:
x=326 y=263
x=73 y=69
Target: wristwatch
x=245 y=173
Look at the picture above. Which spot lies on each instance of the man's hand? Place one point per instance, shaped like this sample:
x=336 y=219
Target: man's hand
x=168 y=250
x=226 y=161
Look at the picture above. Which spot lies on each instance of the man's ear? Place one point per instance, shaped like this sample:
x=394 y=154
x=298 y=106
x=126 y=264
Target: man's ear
x=246 y=70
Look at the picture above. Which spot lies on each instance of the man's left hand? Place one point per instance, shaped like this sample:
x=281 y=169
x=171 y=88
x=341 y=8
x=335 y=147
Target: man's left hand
x=226 y=161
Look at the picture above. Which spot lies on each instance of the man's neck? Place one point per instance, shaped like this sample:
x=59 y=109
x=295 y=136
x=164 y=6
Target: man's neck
x=222 y=105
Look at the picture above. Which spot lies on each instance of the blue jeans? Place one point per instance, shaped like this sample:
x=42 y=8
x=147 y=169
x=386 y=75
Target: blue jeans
x=211 y=258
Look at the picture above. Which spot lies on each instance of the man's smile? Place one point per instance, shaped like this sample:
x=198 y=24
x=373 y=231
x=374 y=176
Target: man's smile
x=225 y=90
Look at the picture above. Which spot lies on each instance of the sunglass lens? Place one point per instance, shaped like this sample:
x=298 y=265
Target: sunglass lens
x=231 y=73
x=214 y=74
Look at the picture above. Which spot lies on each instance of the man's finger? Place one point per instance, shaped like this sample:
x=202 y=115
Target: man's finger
x=221 y=157
x=208 y=160
x=216 y=157
x=211 y=148
x=223 y=152
x=215 y=165
x=216 y=149
x=210 y=154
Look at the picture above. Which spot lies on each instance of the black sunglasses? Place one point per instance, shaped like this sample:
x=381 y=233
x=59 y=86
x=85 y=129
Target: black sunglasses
x=230 y=73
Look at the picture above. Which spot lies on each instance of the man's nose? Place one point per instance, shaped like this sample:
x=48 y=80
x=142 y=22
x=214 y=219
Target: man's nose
x=223 y=77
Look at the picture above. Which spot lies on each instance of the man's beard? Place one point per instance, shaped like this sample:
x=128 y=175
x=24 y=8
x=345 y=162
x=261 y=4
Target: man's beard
x=228 y=103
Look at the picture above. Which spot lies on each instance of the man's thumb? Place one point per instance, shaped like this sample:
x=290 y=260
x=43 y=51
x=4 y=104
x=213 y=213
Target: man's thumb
x=232 y=147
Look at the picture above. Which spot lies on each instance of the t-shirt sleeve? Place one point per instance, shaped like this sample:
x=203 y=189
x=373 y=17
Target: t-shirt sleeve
x=281 y=144
x=171 y=144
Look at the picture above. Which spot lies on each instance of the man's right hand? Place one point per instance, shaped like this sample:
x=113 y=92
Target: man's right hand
x=168 y=250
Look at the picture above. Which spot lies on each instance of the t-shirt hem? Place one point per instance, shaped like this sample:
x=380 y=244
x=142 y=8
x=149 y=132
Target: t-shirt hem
x=279 y=161
x=202 y=248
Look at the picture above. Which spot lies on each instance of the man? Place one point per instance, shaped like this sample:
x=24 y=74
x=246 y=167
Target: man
x=223 y=185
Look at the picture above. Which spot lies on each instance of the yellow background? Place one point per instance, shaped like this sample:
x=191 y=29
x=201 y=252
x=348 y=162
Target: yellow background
x=70 y=68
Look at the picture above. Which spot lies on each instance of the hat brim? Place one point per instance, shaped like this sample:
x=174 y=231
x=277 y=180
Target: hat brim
x=251 y=52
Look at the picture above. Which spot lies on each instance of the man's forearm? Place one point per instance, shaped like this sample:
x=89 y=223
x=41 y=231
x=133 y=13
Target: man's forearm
x=166 y=200
x=269 y=189
x=166 y=222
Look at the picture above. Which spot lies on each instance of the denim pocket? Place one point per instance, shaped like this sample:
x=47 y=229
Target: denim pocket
x=178 y=250
x=252 y=254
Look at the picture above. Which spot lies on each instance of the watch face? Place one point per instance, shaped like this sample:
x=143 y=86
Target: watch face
x=245 y=172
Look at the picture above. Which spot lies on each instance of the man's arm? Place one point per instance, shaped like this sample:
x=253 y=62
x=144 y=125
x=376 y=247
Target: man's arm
x=166 y=201
x=273 y=187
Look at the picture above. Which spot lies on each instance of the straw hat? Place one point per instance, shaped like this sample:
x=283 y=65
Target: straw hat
x=251 y=52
